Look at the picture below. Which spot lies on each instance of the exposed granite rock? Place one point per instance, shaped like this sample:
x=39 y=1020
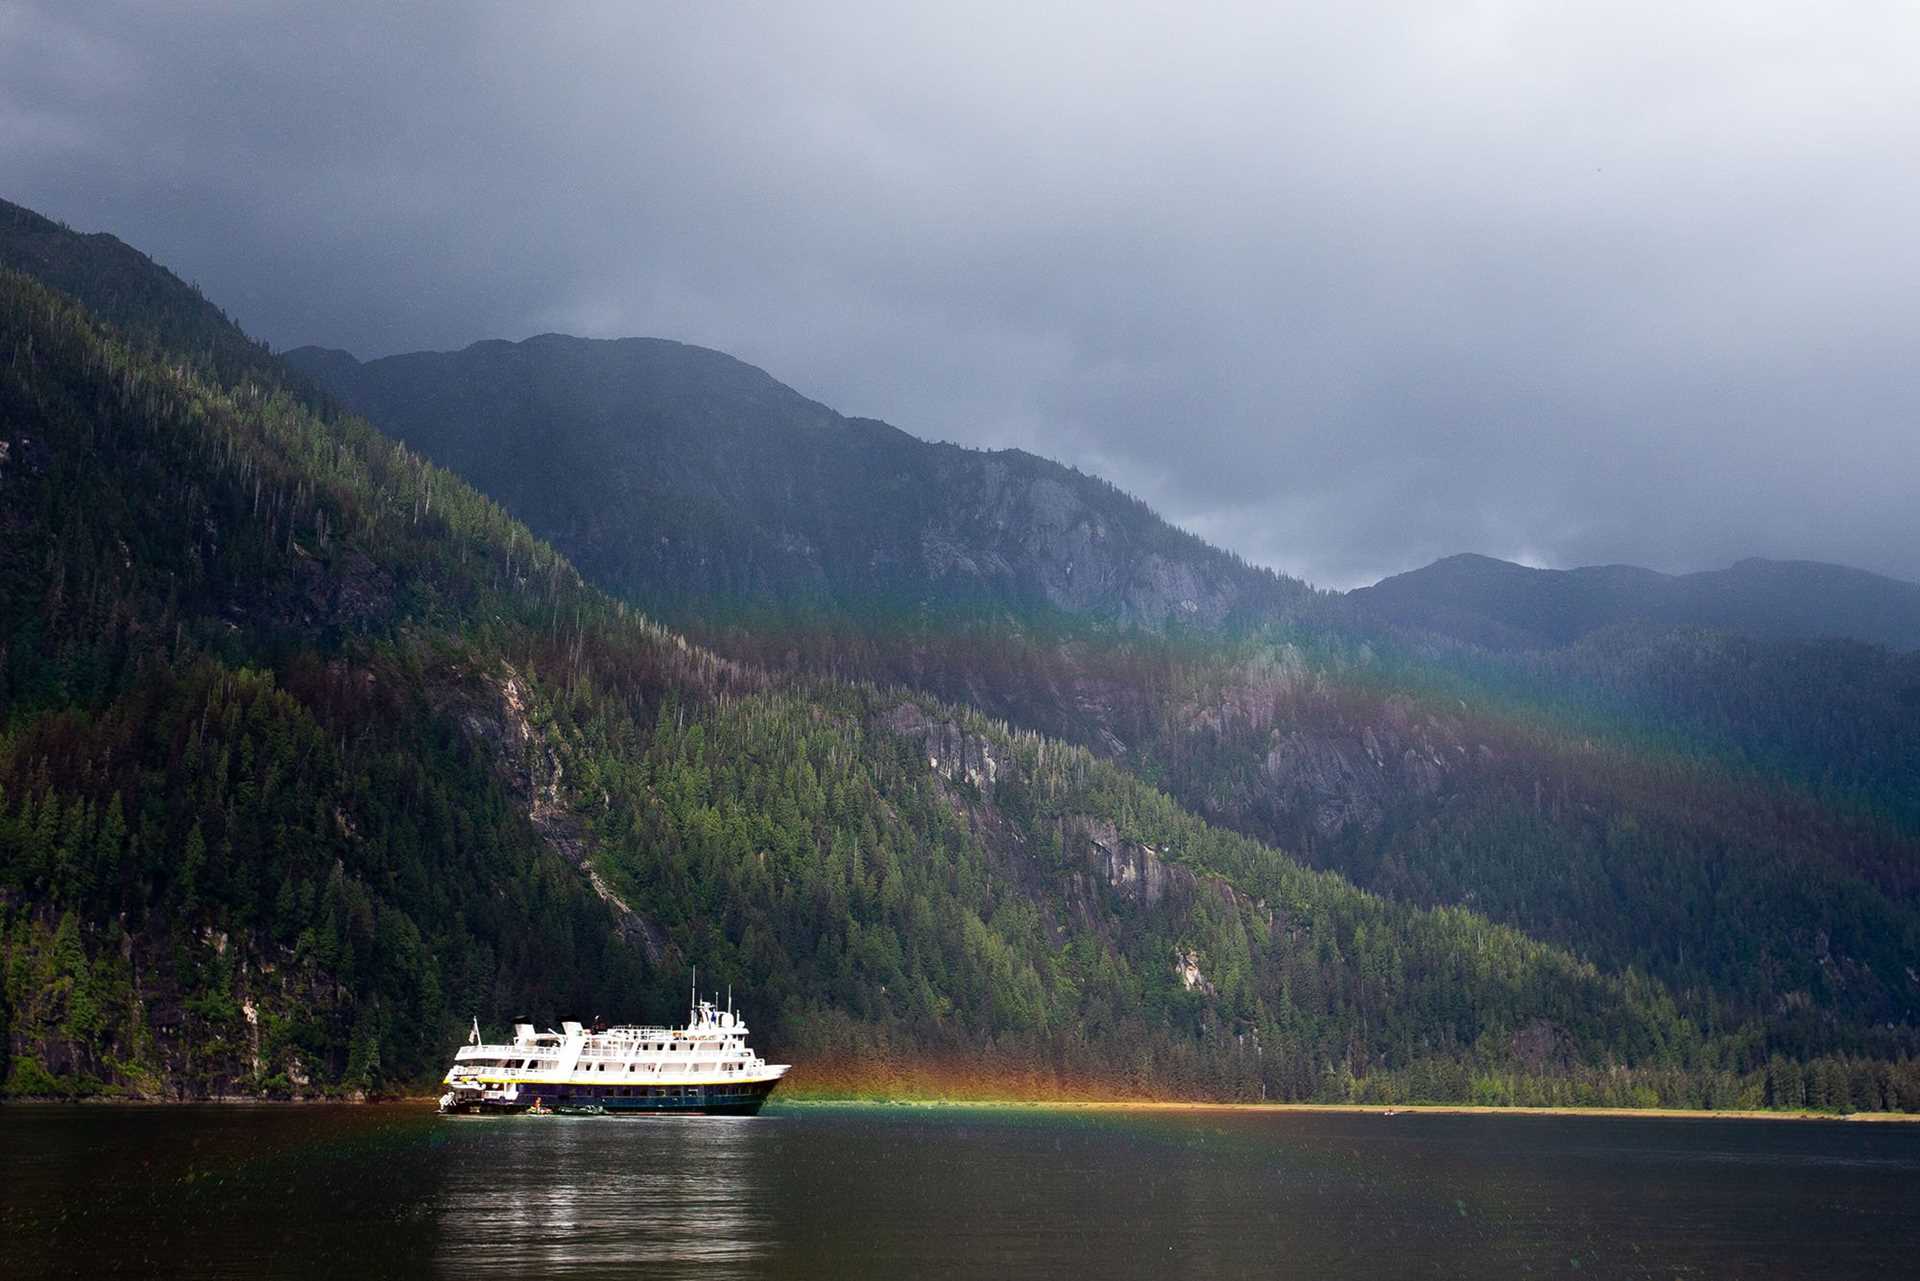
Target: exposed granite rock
x=1134 y=871
x=531 y=764
x=180 y=1056
x=1320 y=782
x=1143 y=874
x=1104 y=870
x=1186 y=968
x=1332 y=765
x=951 y=750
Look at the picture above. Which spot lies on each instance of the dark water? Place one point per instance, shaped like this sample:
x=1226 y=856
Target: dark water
x=898 y=1192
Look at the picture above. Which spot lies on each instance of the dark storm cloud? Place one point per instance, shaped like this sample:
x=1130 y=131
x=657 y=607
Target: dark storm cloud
x=1344 y=287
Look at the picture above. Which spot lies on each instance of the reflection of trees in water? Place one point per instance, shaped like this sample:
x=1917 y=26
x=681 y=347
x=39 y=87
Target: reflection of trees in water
x=217 y=1190
x=540 y=1197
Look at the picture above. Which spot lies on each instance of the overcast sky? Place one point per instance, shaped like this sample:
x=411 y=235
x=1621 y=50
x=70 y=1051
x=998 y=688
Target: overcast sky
x=1343 y=286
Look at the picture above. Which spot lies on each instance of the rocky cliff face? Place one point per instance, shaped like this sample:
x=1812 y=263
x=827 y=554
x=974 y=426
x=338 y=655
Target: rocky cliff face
x=498 y=715
x=1331 y=783
x=170 y=1048
x=1026 y=528
x=952 y=751
x=1333 y=761
x=1113 y=886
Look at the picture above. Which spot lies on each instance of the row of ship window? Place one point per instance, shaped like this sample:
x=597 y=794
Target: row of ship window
x=529 y=1065
x=691 y=1067
x=707 y=1066
x=540 y=1065
x=645 y=1092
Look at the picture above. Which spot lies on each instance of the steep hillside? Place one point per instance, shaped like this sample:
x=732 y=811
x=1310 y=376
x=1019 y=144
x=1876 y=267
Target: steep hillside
x=245 y=842
x=151 y=308
x=1734 y=815
x=1626 y=837
x=691 y=483
x=308 y=752
x=1505 y=606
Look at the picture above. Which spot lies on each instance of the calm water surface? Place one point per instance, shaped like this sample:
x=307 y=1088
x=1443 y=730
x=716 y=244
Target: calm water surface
x=896 y=1192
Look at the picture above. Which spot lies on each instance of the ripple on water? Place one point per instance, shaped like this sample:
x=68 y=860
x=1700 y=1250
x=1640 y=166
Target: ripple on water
x=889 y=1192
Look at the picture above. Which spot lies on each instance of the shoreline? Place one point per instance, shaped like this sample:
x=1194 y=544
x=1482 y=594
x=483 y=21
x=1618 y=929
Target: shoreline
x=1353 y=1109
x=211 y=1100
x=1005 y=1103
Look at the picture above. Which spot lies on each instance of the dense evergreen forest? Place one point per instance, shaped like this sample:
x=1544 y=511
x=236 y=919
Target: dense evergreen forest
x=1677 y=775
x=309 y=753
x=1729 y=815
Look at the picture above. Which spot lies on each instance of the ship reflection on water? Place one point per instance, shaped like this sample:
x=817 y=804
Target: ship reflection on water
x=570 y=1195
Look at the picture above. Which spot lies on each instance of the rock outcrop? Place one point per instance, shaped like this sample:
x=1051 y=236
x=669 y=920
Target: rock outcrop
x=954 y=752
x=532 y=765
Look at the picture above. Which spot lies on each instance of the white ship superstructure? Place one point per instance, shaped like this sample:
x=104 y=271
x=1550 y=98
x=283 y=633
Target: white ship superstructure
x=705 y=1066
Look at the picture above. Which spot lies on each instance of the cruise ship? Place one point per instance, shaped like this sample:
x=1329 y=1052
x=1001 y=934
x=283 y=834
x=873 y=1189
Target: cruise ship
x=705 y=1066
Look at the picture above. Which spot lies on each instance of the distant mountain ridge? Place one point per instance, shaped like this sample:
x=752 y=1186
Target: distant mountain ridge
x=1502 y=605
x=675 y=475
x=693 y=483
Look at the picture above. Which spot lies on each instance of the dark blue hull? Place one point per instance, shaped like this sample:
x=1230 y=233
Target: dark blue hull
x=720 y=1099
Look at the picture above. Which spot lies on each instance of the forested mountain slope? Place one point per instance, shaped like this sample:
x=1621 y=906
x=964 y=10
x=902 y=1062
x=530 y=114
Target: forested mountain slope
x=1501 y=605
x=245 y=840
x=1738 y=815
x=309 y=752
x=306 y=752
x=693 y=484
x=152 y=309
x=1732 y=816
x=1611 y=829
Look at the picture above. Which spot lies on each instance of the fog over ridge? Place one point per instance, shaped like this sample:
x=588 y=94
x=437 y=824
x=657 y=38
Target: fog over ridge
x=1344 y=289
